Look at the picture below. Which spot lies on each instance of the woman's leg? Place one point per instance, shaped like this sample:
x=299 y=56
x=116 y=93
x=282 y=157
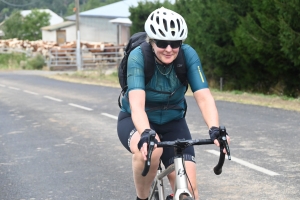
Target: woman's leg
x=129 y=137
x=143 y=184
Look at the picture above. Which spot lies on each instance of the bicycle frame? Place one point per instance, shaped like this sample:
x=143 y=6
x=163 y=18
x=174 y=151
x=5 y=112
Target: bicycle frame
x=181 y=186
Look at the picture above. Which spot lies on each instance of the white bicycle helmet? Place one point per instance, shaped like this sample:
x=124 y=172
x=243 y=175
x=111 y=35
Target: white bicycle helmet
x=165 y=24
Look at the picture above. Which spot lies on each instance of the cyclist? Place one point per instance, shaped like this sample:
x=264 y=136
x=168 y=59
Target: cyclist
x=151 y=106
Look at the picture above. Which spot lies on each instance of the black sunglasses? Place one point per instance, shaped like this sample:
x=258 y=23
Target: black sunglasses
x=164 y=43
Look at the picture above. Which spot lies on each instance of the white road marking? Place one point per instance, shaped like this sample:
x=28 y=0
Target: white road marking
x=14 y=88
x=29 y=92
x=2 y=85
x=52 y=98
x=247 y=164
x=109 y=115
x=82 y=107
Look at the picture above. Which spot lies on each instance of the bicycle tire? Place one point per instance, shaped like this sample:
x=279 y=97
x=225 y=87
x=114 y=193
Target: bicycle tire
x=155 y=195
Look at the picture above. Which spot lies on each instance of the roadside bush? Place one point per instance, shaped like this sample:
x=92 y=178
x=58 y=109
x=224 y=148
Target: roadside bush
x=36 y=62
x=12 y=60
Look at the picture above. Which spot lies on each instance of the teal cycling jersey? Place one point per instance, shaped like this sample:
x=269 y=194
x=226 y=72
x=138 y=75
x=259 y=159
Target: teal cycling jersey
x=164 y=93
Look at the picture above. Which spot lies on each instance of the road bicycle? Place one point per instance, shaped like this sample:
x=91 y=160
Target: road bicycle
x=181 y=192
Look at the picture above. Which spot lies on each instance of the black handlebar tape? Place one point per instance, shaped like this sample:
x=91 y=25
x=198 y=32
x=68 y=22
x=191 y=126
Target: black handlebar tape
x=218 y=167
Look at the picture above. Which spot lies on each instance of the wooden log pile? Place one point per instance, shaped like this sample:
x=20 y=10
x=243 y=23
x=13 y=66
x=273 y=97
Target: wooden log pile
x=50 y=49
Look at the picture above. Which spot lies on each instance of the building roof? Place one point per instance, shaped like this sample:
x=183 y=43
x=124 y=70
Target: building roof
x=124 y=21
x=115 y=10
x=58 y=26
x=54 y=18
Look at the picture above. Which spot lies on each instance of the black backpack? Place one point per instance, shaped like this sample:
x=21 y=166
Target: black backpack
x=139 y=39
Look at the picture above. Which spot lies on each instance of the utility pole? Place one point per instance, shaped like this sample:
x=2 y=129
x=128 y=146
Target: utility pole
x=78 y=53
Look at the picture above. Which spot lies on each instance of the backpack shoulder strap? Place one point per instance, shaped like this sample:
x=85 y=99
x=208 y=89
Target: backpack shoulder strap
x=180 y=67
x=135 y=40
x=149 y=61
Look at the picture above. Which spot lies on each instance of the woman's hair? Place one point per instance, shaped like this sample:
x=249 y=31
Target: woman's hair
x=148 y=39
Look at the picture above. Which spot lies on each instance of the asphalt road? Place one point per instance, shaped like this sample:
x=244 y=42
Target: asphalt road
x=58 y=140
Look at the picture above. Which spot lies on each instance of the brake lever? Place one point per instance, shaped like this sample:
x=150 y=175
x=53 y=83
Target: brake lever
x=150 y=147
x=223 y=141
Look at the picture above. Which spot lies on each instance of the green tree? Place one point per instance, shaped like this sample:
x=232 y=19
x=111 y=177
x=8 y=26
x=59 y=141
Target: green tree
x=91 y=4
x=210 y=25
x=70 y=9
x=33 y=23
x=139 y=14
x=289 y=29
x=12 y=26
x=27 y=28
x=289 y=37
x=265 y=38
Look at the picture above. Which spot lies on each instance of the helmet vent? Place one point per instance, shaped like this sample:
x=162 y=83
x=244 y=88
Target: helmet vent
x=172 y=24
x=182 y=32
x=157 y=20
x=152 y=17
x=173 y=33
x=164 y=13
x=165 y=24
x=152 y=29
x=178 y=23
x=162 y=33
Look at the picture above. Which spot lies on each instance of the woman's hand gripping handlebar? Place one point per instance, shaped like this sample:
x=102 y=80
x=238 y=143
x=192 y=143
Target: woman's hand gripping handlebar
x=223 y=144
x=150 y=147
x=182 y=144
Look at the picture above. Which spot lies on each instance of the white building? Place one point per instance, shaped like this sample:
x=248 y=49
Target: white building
x=60 y=33
x=108 y=23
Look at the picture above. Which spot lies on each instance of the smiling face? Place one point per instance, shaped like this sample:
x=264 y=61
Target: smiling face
x=166 y=55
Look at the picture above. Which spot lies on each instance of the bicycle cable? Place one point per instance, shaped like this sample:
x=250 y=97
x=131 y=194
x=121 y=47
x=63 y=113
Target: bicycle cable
x=187 y=177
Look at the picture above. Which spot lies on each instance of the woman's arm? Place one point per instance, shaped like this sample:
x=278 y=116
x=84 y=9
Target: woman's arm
x=209 y=110
x=207 y=106
x=137 y=106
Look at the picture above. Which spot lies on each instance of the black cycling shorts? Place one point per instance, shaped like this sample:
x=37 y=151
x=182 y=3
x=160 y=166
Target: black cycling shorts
x=176 y=129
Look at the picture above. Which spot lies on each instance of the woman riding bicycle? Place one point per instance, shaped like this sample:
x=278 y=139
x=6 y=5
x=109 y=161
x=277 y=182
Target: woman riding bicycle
x=160 y=104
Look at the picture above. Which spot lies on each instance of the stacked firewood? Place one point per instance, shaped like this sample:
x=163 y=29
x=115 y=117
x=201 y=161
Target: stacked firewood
x=47 y=48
